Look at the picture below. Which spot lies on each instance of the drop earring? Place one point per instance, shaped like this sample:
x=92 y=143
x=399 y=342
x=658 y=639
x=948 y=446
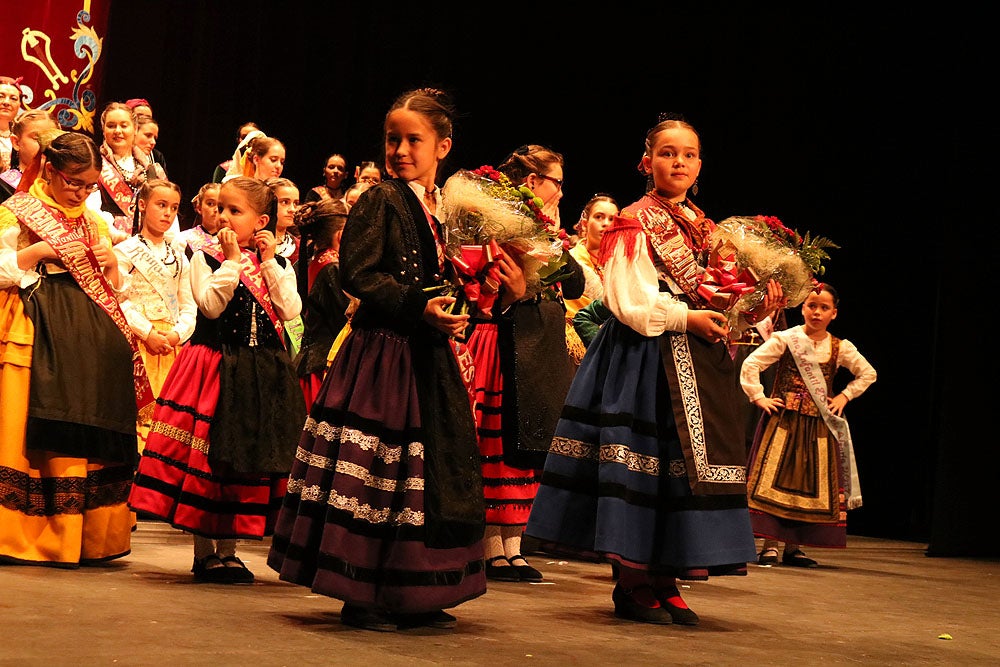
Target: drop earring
x=694 y=188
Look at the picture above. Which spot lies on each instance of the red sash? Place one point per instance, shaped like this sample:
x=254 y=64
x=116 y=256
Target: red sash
x=116 y=187
x=50 y=226
x=253 y=279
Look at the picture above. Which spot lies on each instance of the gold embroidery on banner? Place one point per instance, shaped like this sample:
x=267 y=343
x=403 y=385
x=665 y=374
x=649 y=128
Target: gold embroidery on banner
x=691 y=404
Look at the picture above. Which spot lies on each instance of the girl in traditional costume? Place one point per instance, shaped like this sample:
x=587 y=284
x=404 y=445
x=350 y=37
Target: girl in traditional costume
x=385 y=504
x=521 y=363
x=158 y=303
x=227 y=420
x=24 y=139
x=72 y=379
x=123 y=170
x=206 y=206
x=321 y=225
x=334 y=173
x=802 y=477
x=648 y=465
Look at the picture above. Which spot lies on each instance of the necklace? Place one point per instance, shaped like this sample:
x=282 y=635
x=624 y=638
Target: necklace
x=123 y=165
x=169 y=256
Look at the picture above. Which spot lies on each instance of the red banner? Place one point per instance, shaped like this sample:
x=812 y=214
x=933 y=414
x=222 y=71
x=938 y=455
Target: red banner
x=55 y=46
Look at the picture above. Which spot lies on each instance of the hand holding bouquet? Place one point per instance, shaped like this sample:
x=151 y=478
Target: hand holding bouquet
x=746 y=252
x=485 y=215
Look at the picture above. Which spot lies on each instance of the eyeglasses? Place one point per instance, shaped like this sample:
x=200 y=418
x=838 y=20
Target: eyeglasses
x=557 y=181
x=73 y=184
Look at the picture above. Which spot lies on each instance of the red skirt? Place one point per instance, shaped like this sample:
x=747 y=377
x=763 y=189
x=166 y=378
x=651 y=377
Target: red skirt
x=175 y=481
x=509 y=492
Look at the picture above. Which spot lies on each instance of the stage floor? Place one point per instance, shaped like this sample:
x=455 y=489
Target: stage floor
x=878 y=602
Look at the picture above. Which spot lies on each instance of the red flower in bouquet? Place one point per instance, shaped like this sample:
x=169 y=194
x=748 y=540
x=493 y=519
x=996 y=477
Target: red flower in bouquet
x=483 y=208
x=746 y=252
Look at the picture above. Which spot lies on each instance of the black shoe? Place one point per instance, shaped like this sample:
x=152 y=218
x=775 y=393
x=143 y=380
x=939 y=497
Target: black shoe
x=237 y=571
x=730 y=570
x=767 y=557
x=505 y=572
x=797 y=559
x=525 y=572
x=680 y=615
x=439 y=619
x=210 y=570
x=366 y=619
x=626 y=607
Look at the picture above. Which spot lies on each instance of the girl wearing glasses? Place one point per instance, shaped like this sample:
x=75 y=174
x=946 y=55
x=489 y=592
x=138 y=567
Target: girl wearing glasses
x=522 y=372
x=72 y=374
x=648 y=465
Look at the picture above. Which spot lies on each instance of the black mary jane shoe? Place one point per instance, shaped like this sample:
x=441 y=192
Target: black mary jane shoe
x=767 y=557
x=626 y=607
x=503 y=571
x=797 y=559
x=237 y=571
x=439 y=619
x=210 y=570
x=525 y=572
x=366 y=619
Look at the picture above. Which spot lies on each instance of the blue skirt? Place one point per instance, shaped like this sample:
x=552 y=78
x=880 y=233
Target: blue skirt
x=616 y=482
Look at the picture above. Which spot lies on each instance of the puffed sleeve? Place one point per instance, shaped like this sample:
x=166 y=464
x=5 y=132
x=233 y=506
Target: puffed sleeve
x=632 y=293
x=281 y=284
x=213 y=290
x=863 y=372
x=187 y=309
x=12 y=275
x=766 y=354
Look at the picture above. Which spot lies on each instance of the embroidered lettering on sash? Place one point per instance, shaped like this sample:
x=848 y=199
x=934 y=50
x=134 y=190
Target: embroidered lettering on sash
x=116 y=187
x=52 y=227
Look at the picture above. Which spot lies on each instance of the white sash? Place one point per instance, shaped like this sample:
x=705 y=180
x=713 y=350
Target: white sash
x=153 y=270
x=815 y=382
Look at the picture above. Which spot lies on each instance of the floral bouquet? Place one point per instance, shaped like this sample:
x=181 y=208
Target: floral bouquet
x=746 y=252
x=485 y=216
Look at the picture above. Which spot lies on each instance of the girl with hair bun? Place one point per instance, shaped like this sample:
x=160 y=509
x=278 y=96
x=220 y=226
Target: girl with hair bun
x=384 y=507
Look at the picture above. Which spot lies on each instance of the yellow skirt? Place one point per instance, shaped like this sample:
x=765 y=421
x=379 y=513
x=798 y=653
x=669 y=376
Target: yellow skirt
x=157 y=368
x=54 y=510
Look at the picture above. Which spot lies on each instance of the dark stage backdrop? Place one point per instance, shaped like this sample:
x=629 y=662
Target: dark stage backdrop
x=847 y=123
